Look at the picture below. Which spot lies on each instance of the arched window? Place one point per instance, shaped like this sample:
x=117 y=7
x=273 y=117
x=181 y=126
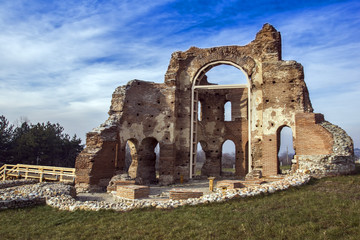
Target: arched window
x=199 y=110
x=227 y=111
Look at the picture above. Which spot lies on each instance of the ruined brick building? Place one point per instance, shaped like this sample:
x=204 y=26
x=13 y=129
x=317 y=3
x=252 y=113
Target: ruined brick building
x=144 y=114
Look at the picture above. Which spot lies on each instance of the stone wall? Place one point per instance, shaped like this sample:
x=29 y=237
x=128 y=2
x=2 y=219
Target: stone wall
x=29 y=194
x=340 y=160
x=144 y=114
x=213 y=130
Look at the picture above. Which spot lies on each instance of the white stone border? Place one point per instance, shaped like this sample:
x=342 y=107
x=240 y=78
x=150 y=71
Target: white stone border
x=59 y=196
x=68 y=203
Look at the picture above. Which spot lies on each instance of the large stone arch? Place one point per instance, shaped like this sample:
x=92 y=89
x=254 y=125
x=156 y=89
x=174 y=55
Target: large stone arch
x=192 y=65
x=242 y=64
x=245 y=66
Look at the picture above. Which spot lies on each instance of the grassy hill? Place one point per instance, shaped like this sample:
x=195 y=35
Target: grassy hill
x=324 y=209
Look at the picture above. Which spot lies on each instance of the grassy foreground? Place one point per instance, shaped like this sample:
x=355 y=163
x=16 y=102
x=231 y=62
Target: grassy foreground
x=325 y=209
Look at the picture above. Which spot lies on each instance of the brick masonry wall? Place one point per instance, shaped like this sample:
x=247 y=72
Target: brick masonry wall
x=333 y=154
x=270 y=155
x=312 y=138
x=213 y=130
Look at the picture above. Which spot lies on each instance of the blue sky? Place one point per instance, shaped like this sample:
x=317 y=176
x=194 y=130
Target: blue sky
x=60 y=61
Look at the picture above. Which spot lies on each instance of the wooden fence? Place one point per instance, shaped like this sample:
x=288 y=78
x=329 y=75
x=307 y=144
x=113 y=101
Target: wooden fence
x=47 y=173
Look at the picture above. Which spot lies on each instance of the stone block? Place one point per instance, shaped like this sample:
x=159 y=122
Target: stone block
x=132 y=191
x=229 y=184
x=112 y=187
x=181 y=194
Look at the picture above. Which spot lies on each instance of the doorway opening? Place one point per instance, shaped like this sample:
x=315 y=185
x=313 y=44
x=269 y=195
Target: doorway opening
x=147 y=160
x=200 y=159
x=285 y=148
x=228 y=158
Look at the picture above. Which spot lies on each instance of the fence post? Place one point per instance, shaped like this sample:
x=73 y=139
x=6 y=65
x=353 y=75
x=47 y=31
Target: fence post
x=41 y=174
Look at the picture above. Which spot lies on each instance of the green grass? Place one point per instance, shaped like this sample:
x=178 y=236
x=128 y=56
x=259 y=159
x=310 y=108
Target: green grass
x=285 y=167
x=324 y=209
x=227 y=170
x=230 y=170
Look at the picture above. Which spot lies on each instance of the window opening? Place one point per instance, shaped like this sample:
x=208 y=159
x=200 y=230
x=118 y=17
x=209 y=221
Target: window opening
x=227 y=111
x=199 y=111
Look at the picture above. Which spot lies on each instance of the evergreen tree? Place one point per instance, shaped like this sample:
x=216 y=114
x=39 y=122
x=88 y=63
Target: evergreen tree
x=6 y=132
x=42 y=144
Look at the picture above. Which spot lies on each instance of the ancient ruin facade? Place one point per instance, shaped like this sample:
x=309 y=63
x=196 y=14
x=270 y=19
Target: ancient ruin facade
x=145 y=114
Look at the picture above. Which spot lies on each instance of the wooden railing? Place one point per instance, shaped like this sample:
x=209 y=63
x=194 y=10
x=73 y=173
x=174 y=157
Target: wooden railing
x=47 y=173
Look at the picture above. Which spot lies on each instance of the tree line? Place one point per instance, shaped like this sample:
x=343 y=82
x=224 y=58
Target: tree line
x=37 y=144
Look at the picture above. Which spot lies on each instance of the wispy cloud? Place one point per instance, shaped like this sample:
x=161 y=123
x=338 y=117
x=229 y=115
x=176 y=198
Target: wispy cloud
x=326 y=41
x=57 y=64
x=61 y=60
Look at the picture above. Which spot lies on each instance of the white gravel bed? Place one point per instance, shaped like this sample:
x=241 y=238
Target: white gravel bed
x=61 y=196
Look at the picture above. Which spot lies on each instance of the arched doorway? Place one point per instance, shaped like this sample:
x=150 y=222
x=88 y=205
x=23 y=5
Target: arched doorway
x=200 y=82
x=228 y=158
x=147 y=156
x=200 y=159
x=285 y=148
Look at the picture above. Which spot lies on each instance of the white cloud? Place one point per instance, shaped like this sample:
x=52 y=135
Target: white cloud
x=61 y=61
x=326 y=42
x=49 y=68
